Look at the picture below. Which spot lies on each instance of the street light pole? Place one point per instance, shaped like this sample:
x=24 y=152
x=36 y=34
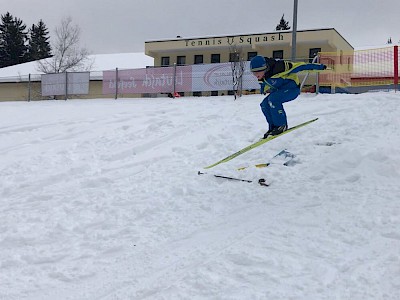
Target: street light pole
x=294 y=32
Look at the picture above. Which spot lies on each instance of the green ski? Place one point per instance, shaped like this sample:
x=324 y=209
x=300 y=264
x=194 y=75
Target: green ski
x=258 y=143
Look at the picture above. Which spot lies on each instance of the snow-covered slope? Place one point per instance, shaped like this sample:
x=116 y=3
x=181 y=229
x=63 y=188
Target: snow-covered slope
x=101 y=199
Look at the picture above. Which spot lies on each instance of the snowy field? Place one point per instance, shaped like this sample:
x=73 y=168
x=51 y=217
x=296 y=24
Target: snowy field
x=101 y=199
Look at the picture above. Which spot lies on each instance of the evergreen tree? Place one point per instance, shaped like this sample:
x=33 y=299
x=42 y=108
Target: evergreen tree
x=283 y=25
x=12 y=41
x=39 y=45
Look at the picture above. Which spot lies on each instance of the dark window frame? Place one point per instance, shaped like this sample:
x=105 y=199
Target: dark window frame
x=215 y=58
x=277 y=54
x=251 y=54
x=181 y=60
x=198 y=59
x=234 y=56
x=165 y=60
x=313 y=52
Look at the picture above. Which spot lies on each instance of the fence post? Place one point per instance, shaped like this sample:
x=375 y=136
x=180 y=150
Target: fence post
x=396 y=67
x=317 y=78
x=173 y=93
x=116 y=84
x=29 y=87
x=66 y=85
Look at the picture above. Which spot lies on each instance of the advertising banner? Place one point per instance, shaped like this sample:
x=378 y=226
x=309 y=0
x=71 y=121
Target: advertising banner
x=55 y=84
x=202 y=77
x=149 y=80
x=218 y=77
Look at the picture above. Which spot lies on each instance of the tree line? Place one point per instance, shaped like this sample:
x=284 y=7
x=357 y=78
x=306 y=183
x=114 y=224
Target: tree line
x=19 y=44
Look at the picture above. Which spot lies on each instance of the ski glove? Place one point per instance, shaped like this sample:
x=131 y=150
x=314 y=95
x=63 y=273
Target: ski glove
x=264 y=87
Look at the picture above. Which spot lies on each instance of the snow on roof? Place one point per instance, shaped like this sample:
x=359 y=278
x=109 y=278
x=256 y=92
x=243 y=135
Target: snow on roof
x=101 y=62
x=122 y=61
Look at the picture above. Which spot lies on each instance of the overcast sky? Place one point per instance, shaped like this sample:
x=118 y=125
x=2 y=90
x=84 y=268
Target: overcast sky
x=114 y=26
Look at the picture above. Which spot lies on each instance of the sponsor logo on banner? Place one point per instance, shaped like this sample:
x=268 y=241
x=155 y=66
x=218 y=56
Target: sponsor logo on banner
x=202 y=77
x=149 y=80
x=218 y=77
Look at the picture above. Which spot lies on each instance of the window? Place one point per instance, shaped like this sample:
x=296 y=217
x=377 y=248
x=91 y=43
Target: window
x=235 y=56
x=250 y=55
x=181 y=60
x=165 y=61
x=198 y=59
x=215 y=58
x=277 y=54
x=313 y=53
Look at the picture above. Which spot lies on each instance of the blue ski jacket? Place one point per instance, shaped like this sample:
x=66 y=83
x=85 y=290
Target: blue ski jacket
x=282 y=74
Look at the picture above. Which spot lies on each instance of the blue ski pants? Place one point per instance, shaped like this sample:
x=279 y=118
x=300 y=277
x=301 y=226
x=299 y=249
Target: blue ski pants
x=272 y=105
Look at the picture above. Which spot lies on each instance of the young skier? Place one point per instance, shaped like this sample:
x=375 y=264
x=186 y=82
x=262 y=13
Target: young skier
x=280 y=79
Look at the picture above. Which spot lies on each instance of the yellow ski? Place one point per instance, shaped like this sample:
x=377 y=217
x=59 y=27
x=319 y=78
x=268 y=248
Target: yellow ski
x=258 y=143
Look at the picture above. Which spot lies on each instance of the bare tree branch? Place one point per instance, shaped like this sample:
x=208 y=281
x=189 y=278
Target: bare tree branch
x=238 y=66
x=67 y=55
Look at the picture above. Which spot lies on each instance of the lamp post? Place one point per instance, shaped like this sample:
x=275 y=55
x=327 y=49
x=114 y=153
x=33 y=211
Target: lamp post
x=294 y=31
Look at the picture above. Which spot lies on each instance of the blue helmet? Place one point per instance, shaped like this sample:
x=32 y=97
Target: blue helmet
x=258 y=64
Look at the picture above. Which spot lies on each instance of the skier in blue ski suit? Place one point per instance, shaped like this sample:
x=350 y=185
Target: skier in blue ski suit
x=280 y=79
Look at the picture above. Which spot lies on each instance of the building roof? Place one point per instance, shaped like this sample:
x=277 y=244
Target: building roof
x=101 y=62
x=179 y=38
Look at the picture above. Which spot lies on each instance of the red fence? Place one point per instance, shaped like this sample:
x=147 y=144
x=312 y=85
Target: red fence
x=368 y=68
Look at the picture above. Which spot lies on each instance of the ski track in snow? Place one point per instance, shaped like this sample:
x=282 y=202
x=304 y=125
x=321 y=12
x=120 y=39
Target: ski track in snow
x=101 y=199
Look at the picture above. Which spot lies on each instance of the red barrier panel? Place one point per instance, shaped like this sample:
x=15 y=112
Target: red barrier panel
x=396 y=67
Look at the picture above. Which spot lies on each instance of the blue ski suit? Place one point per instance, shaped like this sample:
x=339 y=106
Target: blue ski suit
x=282 y=82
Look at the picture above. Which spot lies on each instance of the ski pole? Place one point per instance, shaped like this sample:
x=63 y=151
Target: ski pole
x=261 y=181
x=225 y=177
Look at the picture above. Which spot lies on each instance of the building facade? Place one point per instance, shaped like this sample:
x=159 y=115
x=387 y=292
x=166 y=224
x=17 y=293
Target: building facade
x=218 y=49
x=197 y=54
x=222 y=49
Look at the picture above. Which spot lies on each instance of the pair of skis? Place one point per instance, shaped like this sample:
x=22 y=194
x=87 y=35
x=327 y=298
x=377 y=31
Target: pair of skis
x=250 y=147
x=284 y=157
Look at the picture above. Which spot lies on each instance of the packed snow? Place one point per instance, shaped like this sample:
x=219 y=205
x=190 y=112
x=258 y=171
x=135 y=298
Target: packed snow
x=101 y=199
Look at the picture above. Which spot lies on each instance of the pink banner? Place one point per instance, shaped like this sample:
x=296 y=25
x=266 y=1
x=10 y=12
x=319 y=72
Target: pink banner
x=149 y=80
